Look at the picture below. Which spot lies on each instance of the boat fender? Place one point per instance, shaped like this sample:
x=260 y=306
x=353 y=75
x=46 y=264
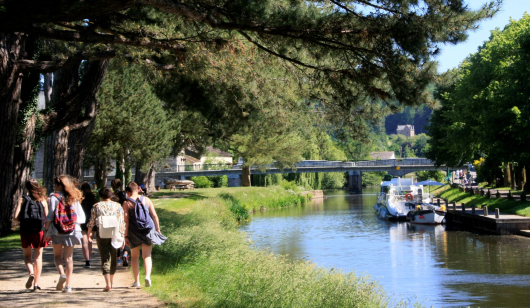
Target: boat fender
x=442 y=208
x=418 y=207
x=409 y=196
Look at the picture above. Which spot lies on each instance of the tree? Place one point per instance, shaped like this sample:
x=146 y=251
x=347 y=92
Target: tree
x=132 y=127
x=348 y=50
x=485 y=103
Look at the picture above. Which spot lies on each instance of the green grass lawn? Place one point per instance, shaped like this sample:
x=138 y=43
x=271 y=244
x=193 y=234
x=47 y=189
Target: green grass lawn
x=503 y=204
x=10 y=241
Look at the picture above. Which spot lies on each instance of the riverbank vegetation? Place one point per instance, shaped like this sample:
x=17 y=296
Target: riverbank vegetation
x=207 y=263
x=505 y=205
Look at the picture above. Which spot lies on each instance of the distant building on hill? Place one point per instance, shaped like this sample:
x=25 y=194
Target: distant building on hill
x=383 y=155
x=407 y=130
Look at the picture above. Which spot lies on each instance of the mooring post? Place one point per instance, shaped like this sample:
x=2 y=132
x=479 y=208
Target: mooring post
x=454 y=206
x=497 y=212
x=485 y=210
x=473 y=209
x=463 y=207
x=438 y=202
x=446 y=203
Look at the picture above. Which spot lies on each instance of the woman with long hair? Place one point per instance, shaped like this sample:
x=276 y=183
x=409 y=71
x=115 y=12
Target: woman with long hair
x=65 y=215
x=87 y=203
x=31 y=212
x=107 y=245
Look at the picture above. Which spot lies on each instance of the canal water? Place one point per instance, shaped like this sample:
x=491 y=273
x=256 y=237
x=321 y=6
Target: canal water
x=425 y=264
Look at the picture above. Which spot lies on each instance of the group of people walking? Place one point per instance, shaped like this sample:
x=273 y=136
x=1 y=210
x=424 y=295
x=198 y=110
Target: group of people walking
x=71 y=216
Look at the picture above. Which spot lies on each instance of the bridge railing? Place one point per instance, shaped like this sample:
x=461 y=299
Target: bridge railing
x=395 y=162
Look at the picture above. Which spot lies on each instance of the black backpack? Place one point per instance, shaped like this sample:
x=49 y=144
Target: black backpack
x=32 y=216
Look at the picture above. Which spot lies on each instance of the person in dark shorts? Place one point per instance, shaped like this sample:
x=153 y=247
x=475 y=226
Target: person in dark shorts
x=32 y=232
x=87 y=203
x=136 y=237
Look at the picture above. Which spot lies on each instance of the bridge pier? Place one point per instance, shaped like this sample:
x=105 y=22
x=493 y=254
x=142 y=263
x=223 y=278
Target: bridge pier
x=355 y=183
x=234 y=180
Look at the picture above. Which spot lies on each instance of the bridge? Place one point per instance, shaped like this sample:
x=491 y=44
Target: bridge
x=396 y=167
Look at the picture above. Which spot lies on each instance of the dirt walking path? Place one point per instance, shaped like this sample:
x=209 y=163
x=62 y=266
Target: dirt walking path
x=87 y=285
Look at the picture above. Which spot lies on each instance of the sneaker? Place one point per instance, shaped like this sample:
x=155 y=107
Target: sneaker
x=68 y=289
x=36 y=288
x=147 y=282
x=29 y=283
x=60 y=283
x=135 y=285
x=87 y=264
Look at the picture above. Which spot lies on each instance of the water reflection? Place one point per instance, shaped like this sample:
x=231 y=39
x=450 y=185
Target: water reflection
x=434 y=265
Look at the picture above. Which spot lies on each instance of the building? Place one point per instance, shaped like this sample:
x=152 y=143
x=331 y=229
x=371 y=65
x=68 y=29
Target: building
x=382 y=155
x=407 y=130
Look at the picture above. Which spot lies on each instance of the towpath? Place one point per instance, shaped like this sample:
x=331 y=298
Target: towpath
x=87 y=284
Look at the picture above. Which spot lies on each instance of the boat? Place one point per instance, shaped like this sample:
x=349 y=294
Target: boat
x=398 y=197
x=427 y=214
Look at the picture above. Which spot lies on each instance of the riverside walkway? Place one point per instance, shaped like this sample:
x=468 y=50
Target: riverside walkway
x=486 y=220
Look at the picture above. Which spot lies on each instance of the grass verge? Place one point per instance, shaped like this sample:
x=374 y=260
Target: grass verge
x=503 y=204
x=207 y=262
x=10 y=241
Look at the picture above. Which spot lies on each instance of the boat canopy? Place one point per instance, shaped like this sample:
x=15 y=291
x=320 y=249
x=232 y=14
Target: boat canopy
x=399 y=182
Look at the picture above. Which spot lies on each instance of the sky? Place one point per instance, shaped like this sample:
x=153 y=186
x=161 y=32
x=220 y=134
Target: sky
x=452 y=55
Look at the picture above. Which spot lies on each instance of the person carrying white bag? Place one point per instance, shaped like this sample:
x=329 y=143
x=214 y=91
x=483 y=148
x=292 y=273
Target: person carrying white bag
x=107 y=215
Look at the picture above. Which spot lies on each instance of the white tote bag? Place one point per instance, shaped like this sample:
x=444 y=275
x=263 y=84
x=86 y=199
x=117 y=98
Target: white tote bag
x=108 y=226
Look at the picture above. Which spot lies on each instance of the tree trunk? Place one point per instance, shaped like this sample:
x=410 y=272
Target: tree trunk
x=150 y=179
x=523 y=178
x=512 y=179
x=139 y=176
x=120 y=169
x=11 y=50
x=77 y=144
x=65 y=82
x=245 y=179
x=100 y=172
x=507 y=175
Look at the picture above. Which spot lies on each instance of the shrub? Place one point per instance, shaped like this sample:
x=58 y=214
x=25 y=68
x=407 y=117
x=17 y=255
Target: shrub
x=219 y=180
x=201 y=182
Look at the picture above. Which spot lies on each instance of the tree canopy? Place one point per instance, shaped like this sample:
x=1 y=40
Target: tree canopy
x=485 y=106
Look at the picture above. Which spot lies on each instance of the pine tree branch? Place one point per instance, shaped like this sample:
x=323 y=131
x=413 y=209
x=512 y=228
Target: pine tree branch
x=94 y=37
x=51 y=66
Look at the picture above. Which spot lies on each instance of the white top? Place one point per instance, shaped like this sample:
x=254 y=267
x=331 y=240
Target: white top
x=52 y=204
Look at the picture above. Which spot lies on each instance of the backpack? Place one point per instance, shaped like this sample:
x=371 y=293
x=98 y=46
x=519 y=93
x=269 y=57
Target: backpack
x=141 y=220
x=108 y=226
x=65 y=217
x=32 y=216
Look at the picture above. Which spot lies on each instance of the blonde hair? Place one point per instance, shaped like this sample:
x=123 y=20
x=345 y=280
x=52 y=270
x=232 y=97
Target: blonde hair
x=71 y=193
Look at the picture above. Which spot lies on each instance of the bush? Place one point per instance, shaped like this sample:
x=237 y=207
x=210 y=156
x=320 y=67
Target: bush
x=333 y=180
x=201 y=182
x=218 y=180
x=435 y=175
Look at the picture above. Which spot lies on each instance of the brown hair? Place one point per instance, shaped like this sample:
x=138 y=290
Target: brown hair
x=71 y=193
x=34 y=189
x=106 y=193
x=132 y=187
x=116 y=185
